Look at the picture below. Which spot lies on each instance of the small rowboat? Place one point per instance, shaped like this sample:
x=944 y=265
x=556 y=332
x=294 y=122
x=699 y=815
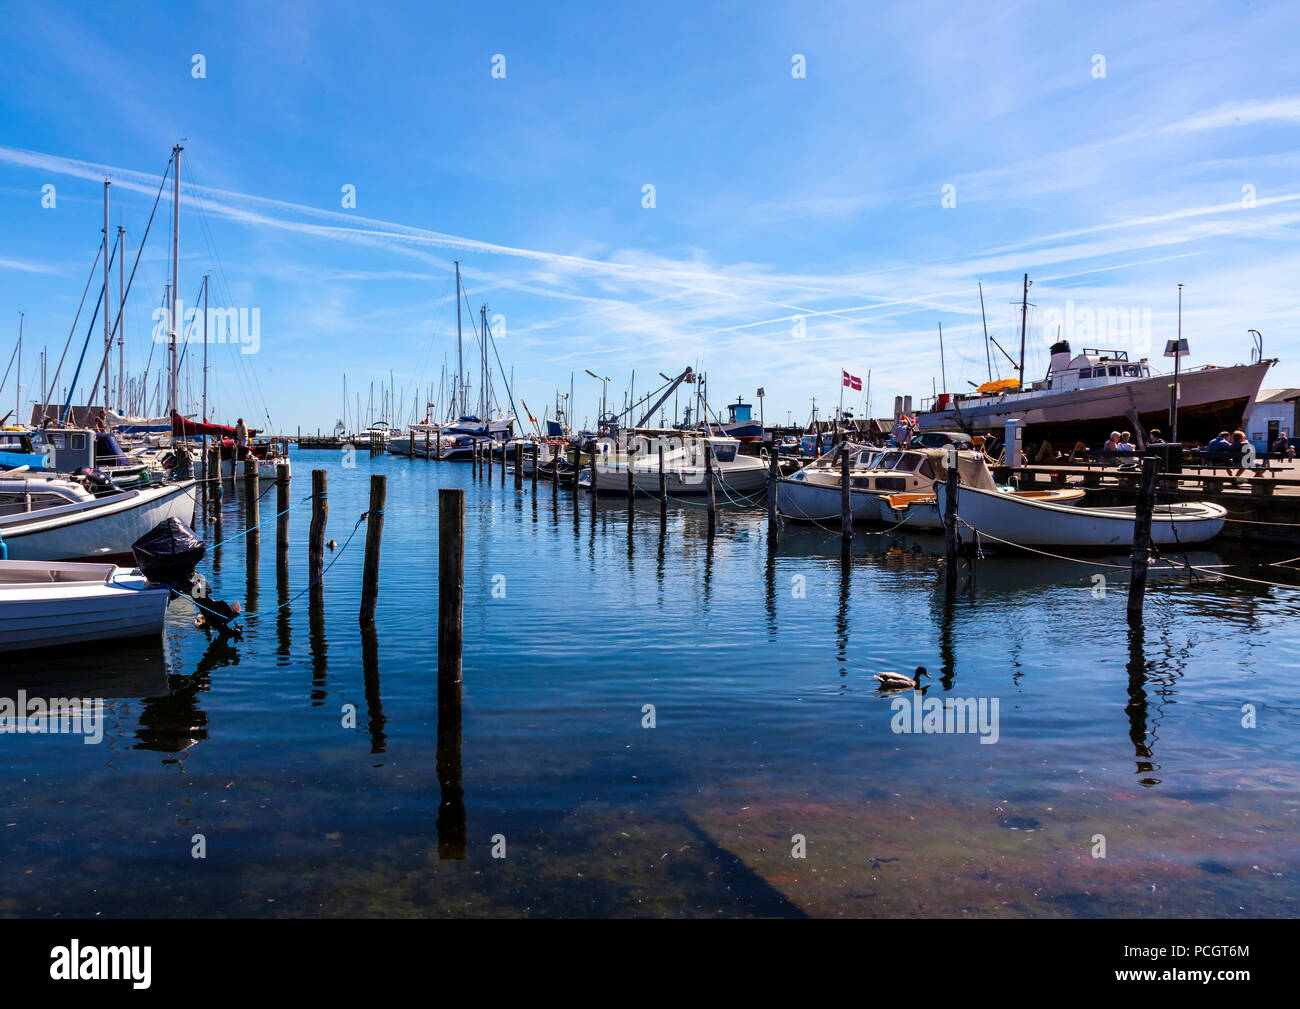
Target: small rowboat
x=1024 y=521
x=44 y=604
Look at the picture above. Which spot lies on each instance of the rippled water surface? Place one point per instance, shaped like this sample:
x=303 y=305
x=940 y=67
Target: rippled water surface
x=1154 y=773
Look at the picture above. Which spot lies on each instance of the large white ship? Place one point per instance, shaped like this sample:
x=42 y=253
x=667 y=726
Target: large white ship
x=1086 y=396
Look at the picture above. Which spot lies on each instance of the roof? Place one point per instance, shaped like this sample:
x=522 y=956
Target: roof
x=1277 y=396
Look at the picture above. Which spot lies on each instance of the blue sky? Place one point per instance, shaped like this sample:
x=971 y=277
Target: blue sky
x=799 y=224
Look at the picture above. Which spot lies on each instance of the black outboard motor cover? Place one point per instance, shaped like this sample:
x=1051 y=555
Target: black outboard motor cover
x=168 y=553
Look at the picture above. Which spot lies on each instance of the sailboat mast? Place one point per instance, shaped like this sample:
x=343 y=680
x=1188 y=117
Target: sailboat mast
x=108 y=326
x=205 y=354
x=172 y=402
x=121 y=316
x=943 y=368
x=460 y=351
x=1024 y=315
x=18 y=401
x=988 y=358
x=482 y=346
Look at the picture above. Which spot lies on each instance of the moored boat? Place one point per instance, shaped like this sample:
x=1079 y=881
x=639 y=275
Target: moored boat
x=46 y=604
x=1019 y=520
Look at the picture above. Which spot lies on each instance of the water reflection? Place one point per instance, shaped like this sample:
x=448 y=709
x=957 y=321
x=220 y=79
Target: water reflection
x=374 y=704
x=1138 y=732
x=318 y=648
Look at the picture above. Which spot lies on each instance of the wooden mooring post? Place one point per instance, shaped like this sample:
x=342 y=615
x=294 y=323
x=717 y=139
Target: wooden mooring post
x=631 y=482
x=316 y=533
x=374 y=536
x=487 y=462
x=282 y=516
x=595 y=491
x=950 y=522
x=427 y=453
x=846 y=499
x=663 y=486
x=519 y=465
x=250 y=503
x=536 y=451
x=773 y=479
x=437 y=447
x=451 y=608
x=451 y=587
x=503 y=464
x=708 y=477
x=1140 y=558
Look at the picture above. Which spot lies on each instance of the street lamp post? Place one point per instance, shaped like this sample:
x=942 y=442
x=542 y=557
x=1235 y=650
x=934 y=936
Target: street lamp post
x=1176 y=349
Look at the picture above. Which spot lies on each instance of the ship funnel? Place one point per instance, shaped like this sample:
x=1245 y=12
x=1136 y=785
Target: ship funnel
x=1060 y=357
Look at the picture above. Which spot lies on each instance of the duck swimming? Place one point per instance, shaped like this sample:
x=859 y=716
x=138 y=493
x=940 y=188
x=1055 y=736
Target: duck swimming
x=897 y=681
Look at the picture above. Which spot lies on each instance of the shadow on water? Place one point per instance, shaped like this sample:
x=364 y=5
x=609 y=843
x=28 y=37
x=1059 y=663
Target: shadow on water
x=374 y=704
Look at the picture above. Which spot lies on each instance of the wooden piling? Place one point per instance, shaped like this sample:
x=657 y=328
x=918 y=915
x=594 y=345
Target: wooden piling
x=846 y=498
x=250 y=503
x=663 y=485
x=950 y=522
x=773 y=479
x=316 y=533
x=503 y=464
x=595 y=492
x=577 y=462
x=374 y=536
x=487 y=462
x=427 y=453
x=437 y=447
x=451 y=586
x=536 y=453
x=519 y=465
x=631 y=483
x=282 y=516
x=1140 y=557
x=708 y=476
x=410 y=443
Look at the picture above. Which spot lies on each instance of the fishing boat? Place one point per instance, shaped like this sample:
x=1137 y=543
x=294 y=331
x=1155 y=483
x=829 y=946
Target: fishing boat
x=813 y=494
x=45 y=604
x=1084 y=397
x=1020 y=520
x=685 y=468
x=72 y=450
x=49 y=518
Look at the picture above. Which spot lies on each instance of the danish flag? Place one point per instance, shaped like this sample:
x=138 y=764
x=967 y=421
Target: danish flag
x=851 y=381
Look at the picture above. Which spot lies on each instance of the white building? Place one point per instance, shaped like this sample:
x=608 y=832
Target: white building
x=1274 y=412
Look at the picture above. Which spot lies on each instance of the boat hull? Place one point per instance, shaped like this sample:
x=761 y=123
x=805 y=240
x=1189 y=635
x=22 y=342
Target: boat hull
x=45 y=614
x=1209 y=401
x=1023 y=522
x=807 y=501
x=683 y=480
x=105 y=527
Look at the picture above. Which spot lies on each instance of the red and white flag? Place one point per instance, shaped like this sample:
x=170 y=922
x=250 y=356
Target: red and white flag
x=851 y=381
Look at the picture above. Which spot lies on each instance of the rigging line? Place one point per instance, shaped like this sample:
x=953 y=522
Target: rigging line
x=139 y=250
x=496 y=353
x=197 y=297
x=45 y=398
x=72 y=388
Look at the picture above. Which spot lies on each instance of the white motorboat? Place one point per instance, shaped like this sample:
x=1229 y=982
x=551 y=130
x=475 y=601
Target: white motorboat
x=921 y=511
x=45 y=604
x=685 y=468
x=56 y=519
x=1025 y=521
x=814 y=493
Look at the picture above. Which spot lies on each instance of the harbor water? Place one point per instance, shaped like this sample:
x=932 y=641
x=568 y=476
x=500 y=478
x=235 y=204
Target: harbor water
x=658 y=723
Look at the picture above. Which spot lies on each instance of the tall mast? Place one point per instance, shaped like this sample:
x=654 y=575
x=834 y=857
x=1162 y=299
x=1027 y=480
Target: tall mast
x=172 y=403
x=205 y=351
x=988 y=360
x=121 y=317
x=18 y=401
x=108 y=326
x=460 y=351
x=1024 y=315
x=943 y=368
x=482 y=391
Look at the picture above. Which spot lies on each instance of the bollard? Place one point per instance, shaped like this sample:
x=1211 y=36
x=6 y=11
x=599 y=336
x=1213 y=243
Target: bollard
x=374 y=536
